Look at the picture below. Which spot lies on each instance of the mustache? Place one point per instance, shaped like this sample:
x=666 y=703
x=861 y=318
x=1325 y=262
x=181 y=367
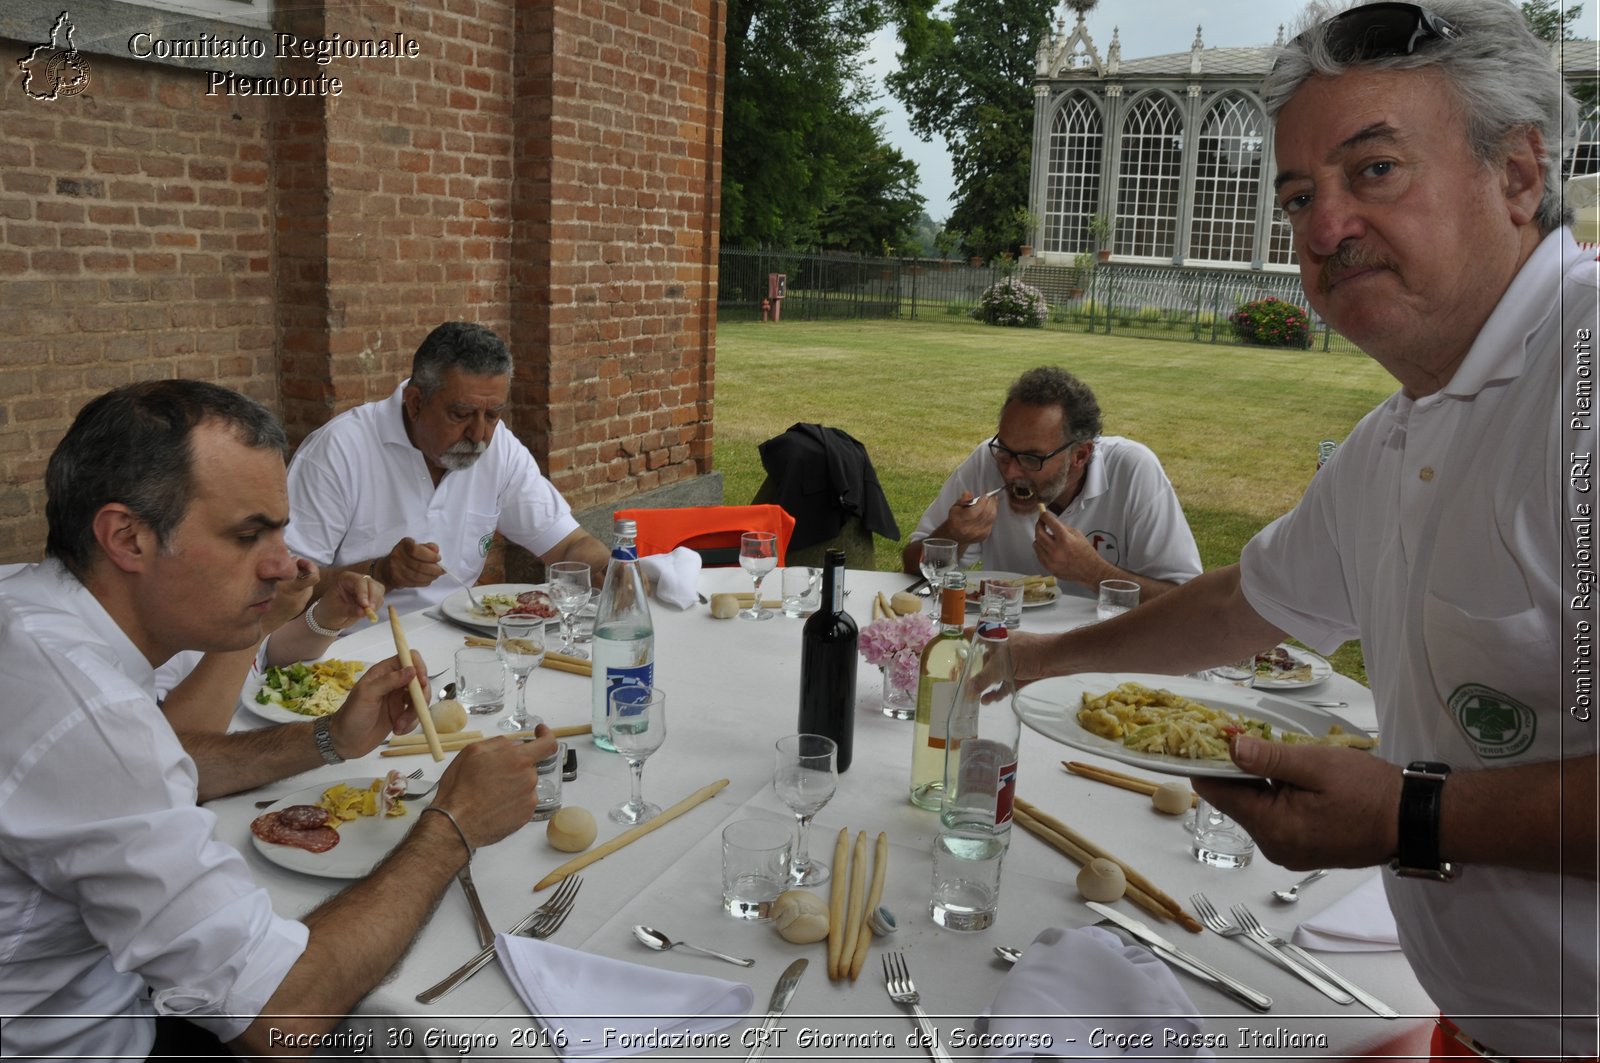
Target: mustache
x=466 y=447
x=1349 y=258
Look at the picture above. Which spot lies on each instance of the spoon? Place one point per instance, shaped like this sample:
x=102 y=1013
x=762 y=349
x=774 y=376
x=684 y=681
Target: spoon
x=1007 y=953
x=1292 y=894
x=655 y=939
x=1328 y=704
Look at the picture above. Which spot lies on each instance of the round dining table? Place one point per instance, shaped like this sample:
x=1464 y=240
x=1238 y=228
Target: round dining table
x=732 y=691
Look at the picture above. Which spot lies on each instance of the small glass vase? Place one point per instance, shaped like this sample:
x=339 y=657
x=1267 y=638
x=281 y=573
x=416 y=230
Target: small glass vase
x=898 y=704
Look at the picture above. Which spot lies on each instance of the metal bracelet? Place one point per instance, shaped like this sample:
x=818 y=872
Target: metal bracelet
x=322 y=734
x=446 y=813
x=316 y=628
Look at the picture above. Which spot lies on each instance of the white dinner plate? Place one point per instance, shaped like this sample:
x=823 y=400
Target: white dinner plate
x=458 y=606
x=1320 y=670
x=362 y=842
x=271 y=710
x=976 y=577
x=1051 y=706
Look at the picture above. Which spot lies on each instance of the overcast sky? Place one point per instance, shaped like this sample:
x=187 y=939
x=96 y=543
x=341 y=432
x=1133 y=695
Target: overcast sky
x=1147 y=27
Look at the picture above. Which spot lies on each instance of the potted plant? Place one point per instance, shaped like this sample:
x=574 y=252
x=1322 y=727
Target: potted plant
x=1100 y=229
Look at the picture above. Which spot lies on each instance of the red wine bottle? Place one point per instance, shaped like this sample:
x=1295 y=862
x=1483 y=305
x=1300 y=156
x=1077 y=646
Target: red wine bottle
x=828 y=665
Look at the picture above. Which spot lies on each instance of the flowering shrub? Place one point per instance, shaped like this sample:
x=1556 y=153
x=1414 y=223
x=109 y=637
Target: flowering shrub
x=1272 y=323
x=1011 y=302
x=895 y=644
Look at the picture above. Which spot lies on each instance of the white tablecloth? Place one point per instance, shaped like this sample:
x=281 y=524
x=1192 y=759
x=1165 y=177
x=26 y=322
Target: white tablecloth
x=732 y=689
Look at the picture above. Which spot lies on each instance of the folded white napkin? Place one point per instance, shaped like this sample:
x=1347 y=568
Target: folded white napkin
x=675 y=575
x=1360 y=921
x=1070 y=984
x=607 y=1008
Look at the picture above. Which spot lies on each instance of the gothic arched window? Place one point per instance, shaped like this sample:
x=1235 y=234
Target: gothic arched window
x=1149 y=179
x=1227 y=181
x=1072 y=182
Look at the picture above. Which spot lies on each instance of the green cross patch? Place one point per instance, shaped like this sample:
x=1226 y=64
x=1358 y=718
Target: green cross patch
x=1496 y=724
x=484 y=543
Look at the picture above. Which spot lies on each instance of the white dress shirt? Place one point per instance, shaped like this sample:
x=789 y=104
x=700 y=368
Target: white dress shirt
x=357 y=486
x=1127 y=510
x=1435 y=535
x=116 y=902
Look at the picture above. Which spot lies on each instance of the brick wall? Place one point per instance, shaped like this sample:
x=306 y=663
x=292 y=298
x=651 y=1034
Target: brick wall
x=135 y=242
x=547 y=169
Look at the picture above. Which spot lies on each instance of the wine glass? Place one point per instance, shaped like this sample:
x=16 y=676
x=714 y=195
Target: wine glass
x=570 y=586
x=938 y=557
x=758 y=555
x=805 y=778
x=636 y=720
x=520 y=642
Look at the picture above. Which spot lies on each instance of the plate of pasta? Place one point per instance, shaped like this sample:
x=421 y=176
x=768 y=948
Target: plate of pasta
x=296 y=693
x=1172 y=724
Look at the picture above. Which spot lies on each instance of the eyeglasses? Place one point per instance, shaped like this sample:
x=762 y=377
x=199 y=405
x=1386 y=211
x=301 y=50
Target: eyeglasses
x=1031 y=462
x=1379 y=31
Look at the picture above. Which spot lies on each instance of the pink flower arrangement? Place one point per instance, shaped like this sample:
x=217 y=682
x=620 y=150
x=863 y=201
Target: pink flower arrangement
x=895 y=645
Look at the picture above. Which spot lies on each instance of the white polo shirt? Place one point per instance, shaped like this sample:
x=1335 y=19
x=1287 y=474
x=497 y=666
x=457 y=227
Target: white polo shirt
x=1435 y=535
x=116 y=901
x=1127 y=509
x=357 y=486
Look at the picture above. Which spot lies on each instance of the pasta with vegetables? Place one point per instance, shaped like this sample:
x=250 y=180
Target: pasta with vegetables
x=1158 y=721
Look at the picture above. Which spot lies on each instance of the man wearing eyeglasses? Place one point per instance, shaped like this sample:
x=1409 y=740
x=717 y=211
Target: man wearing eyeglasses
x=1049 y=494
x=1418 y=156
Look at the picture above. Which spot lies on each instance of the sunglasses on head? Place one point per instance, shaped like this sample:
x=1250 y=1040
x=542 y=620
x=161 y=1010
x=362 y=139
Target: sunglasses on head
x=1380 y=31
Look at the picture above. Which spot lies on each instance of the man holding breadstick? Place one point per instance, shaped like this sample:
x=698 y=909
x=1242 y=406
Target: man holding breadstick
x=130 y=929
x=1050 y=495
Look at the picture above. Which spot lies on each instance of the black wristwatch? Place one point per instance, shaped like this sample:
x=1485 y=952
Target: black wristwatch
x=1417 y=855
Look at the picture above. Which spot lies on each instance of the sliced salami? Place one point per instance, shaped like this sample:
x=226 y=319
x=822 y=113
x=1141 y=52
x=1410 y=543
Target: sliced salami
x=278 y=828
x=534 y=603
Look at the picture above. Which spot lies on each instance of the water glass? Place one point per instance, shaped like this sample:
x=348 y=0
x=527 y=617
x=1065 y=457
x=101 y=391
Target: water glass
x=755 y=867
x=570 y=587
x=1218 y=840
x=480 y=680
x=1117 y=596
x=636 y=722
x=802 y=590
x=521 y=646
x=966 y=879
x=549 y=783
x=1236 y=673
x=938 y=557
x=806 y=778
x=1010 y=595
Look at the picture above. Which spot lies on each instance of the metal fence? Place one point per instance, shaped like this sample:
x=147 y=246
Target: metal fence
x=1110 y=299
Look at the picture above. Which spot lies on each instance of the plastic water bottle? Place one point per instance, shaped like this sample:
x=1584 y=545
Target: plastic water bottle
x=624 y=648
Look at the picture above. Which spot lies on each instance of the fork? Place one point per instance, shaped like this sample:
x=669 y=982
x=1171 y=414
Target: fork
x=1252 y=925
x=902 y=990
x=1260 y=941
x=539 y=923
x=476 y=605
x=268 y=801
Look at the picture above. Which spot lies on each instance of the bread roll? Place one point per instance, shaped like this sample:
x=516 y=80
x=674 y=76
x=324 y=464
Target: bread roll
x=905 y=603
x=449 y=716
x=800 y=917
x=571 y=830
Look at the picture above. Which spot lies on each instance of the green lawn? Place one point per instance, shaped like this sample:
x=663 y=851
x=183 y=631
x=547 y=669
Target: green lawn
x=1236 y=427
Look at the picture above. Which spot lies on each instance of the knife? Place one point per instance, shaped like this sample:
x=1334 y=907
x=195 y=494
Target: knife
x=916 y=588
x=1178 y=958
x=485 y=929
x=1378 y=1006
x=782 y=993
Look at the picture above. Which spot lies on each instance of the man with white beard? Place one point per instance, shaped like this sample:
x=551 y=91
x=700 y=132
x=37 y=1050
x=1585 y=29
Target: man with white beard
x=414 y=486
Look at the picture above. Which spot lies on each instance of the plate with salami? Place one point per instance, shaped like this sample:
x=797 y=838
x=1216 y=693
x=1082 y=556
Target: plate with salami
x=499 y=599
x=360 y=843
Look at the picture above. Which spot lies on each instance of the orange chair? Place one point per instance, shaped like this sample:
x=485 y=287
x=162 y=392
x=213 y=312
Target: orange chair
x=711 y=531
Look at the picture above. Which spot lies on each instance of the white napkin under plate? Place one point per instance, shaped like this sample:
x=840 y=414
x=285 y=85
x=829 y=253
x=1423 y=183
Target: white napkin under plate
x=565 y=988
x=1360 y=921
x=1071 y=983
x=675 y=575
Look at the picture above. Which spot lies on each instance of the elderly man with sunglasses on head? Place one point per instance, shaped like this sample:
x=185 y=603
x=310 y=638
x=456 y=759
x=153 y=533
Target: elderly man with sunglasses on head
x=1050 y=495
x=1419 y=164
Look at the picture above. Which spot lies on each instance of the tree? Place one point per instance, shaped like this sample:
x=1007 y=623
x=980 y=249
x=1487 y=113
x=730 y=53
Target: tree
x=968 y=77
x=1550 y=20
x=804 y=162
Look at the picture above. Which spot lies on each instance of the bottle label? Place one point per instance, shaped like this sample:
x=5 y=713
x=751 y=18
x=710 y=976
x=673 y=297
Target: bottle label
x=639 y=675
x=1006 y=793
x=940 y=694
x=624 y=553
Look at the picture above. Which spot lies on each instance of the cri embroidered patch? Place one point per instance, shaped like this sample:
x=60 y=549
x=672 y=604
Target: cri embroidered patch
x=484 y=543
x=1496 y=724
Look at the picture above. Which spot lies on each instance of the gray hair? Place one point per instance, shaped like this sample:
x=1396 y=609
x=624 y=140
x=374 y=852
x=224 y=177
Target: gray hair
x=1501 y=74
x=471 y=348
x=1049 y=386
x=133 y=445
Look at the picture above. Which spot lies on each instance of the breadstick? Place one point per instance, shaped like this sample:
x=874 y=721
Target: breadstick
x=418 y=702
x=841 y=851
x=853 y=917
x=418 y=738
x=880 y=868
x=599 y=852
x=366 y=583
x=1060 y=844
x=572 y=730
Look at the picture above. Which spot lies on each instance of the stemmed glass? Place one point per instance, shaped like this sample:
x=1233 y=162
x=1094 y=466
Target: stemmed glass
x=938 y=557
x=520 y=642
x=636 y=720
x=570 y=587
x=805 y=778
x=758 y=555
